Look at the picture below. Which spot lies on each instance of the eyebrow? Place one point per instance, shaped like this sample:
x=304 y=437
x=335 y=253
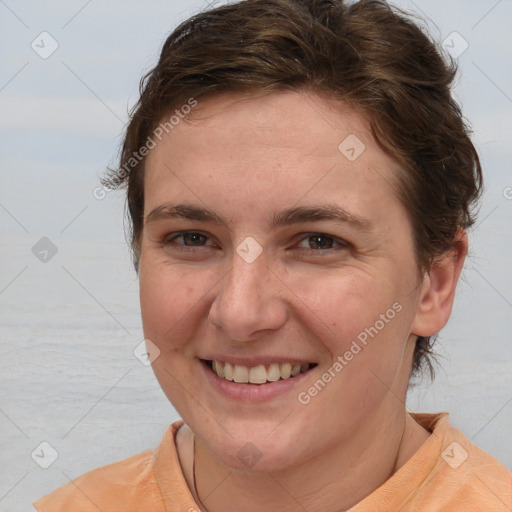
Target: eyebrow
x=290 y=216
x=303 y=214
x=183 y=211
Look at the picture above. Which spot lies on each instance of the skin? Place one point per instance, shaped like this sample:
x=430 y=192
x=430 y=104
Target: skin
x=246 y=160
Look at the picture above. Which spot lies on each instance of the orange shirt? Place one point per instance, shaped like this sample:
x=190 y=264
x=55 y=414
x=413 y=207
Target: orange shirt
x=448 y=473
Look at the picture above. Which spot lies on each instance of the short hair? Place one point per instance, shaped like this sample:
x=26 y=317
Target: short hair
x=367 y=54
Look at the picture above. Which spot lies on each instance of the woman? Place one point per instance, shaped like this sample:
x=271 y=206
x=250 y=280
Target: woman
x=299 y=182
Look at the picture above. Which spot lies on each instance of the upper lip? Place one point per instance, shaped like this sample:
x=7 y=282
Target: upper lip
x=256 y=361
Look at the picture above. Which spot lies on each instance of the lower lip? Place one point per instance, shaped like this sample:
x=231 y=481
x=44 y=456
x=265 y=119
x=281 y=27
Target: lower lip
x=252 y=392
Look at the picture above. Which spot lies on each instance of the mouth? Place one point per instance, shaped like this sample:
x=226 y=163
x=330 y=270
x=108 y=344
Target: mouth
x=257 y=375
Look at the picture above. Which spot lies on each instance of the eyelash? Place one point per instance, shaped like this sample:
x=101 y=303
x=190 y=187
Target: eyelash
x=336 y=241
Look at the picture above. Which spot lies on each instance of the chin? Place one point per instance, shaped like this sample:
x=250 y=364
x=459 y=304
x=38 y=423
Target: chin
x=247 y=450
x=255 y=458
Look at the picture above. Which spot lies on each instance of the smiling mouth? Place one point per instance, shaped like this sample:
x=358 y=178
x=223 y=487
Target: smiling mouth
x=261 y=374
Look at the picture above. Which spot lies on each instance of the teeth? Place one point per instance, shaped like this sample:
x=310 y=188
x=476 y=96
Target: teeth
x=241 y=373
x=218 y=368
x=258 y=374
x=286 y=370
x=228 y=371
x=273 y=372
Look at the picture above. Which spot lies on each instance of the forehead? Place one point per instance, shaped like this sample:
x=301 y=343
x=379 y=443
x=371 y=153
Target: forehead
x=285 y=120
x=281 y=147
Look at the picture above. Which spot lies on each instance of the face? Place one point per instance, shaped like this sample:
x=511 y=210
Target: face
x=274 y=242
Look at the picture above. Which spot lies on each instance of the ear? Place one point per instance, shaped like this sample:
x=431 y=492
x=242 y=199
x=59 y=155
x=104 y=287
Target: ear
x=438 y=289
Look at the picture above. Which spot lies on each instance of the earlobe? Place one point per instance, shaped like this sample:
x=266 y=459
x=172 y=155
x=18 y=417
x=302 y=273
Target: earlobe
x=438 y=289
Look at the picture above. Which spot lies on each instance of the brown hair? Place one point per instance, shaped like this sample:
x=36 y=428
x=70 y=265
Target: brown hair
x=368 y=54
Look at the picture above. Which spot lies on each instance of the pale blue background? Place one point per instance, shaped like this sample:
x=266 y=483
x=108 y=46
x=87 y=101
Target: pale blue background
x=68 y=327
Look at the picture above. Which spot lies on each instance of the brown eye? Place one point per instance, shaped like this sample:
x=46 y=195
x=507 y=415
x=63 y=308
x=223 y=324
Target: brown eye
x=319 y=242
x=193 y=239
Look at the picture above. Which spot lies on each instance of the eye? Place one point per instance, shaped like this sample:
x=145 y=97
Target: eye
x=188 y=239
x=320 y=242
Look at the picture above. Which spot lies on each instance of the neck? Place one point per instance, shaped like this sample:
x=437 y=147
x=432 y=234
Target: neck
x=332 y=481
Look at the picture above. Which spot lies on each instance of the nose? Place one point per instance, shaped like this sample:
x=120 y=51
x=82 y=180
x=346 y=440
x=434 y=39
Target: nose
x=249 y=301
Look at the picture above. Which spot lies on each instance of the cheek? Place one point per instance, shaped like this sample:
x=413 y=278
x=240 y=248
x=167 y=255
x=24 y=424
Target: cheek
x=364 y=319
x=341 y=304
x=171 y=300
x=363 y=324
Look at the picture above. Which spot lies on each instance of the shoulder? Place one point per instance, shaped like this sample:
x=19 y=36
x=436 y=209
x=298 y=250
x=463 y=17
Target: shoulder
x=466 y=477
x=129 y=485
x=117 y=483
x=447 y=474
